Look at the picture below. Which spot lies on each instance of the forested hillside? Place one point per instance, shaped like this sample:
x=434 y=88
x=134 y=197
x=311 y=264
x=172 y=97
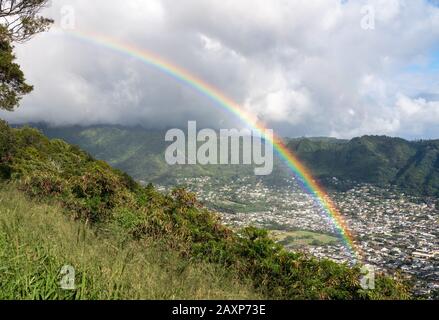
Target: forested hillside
x=412 y=166
x=138 y=151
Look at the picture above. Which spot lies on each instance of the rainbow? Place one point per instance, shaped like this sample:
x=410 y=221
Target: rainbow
x=220 y=99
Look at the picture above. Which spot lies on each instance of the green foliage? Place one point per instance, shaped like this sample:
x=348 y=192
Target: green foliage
x=19 y=19
x=412 y=166
x=280 y=274
x=36 y=240
x=7 y=147
x=91 y=191
x=13 y=85
x=139 y=152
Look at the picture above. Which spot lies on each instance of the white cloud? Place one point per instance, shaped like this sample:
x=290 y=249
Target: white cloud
x=418 y=115
x=304 y=66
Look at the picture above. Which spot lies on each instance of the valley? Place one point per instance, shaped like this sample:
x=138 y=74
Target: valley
x=378 y=185
x=394 y=231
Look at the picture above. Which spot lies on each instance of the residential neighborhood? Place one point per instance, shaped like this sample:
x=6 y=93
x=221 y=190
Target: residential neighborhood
x=394 y=232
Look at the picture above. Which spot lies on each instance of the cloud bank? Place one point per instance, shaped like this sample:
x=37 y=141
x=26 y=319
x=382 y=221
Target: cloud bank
x=303 y=67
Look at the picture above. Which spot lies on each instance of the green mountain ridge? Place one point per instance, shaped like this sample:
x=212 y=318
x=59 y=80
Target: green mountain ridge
x=141 y=153
x=410 y=165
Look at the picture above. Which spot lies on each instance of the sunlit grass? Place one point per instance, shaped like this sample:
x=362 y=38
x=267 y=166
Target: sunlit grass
x=36 y=240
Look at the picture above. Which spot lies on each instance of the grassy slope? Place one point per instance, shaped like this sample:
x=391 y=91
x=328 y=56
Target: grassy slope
x=300 y=238
x=36 y=240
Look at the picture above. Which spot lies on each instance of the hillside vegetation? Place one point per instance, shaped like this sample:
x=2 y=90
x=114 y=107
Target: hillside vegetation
x=412 y=166
x=37 y=239
x=106 y=225
x=141 y=153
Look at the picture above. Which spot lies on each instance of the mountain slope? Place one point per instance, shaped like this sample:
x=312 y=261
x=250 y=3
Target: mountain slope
x=93 y=193
x=380 y=160
x=412 y=166
x=137 y=151
x=421 y=173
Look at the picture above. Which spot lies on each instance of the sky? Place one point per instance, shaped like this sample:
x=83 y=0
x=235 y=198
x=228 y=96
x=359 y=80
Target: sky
x=303 y=67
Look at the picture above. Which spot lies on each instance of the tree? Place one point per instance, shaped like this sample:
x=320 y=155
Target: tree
x=12 y=82
x=19 y=21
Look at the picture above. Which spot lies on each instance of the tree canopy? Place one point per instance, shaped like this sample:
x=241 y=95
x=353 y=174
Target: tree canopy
x=19 y=21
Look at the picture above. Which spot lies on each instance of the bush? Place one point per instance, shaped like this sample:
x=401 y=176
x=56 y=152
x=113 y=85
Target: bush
x=7 y=148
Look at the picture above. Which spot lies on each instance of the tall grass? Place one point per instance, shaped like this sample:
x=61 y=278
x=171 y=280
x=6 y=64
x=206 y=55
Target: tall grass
x=37 y=240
